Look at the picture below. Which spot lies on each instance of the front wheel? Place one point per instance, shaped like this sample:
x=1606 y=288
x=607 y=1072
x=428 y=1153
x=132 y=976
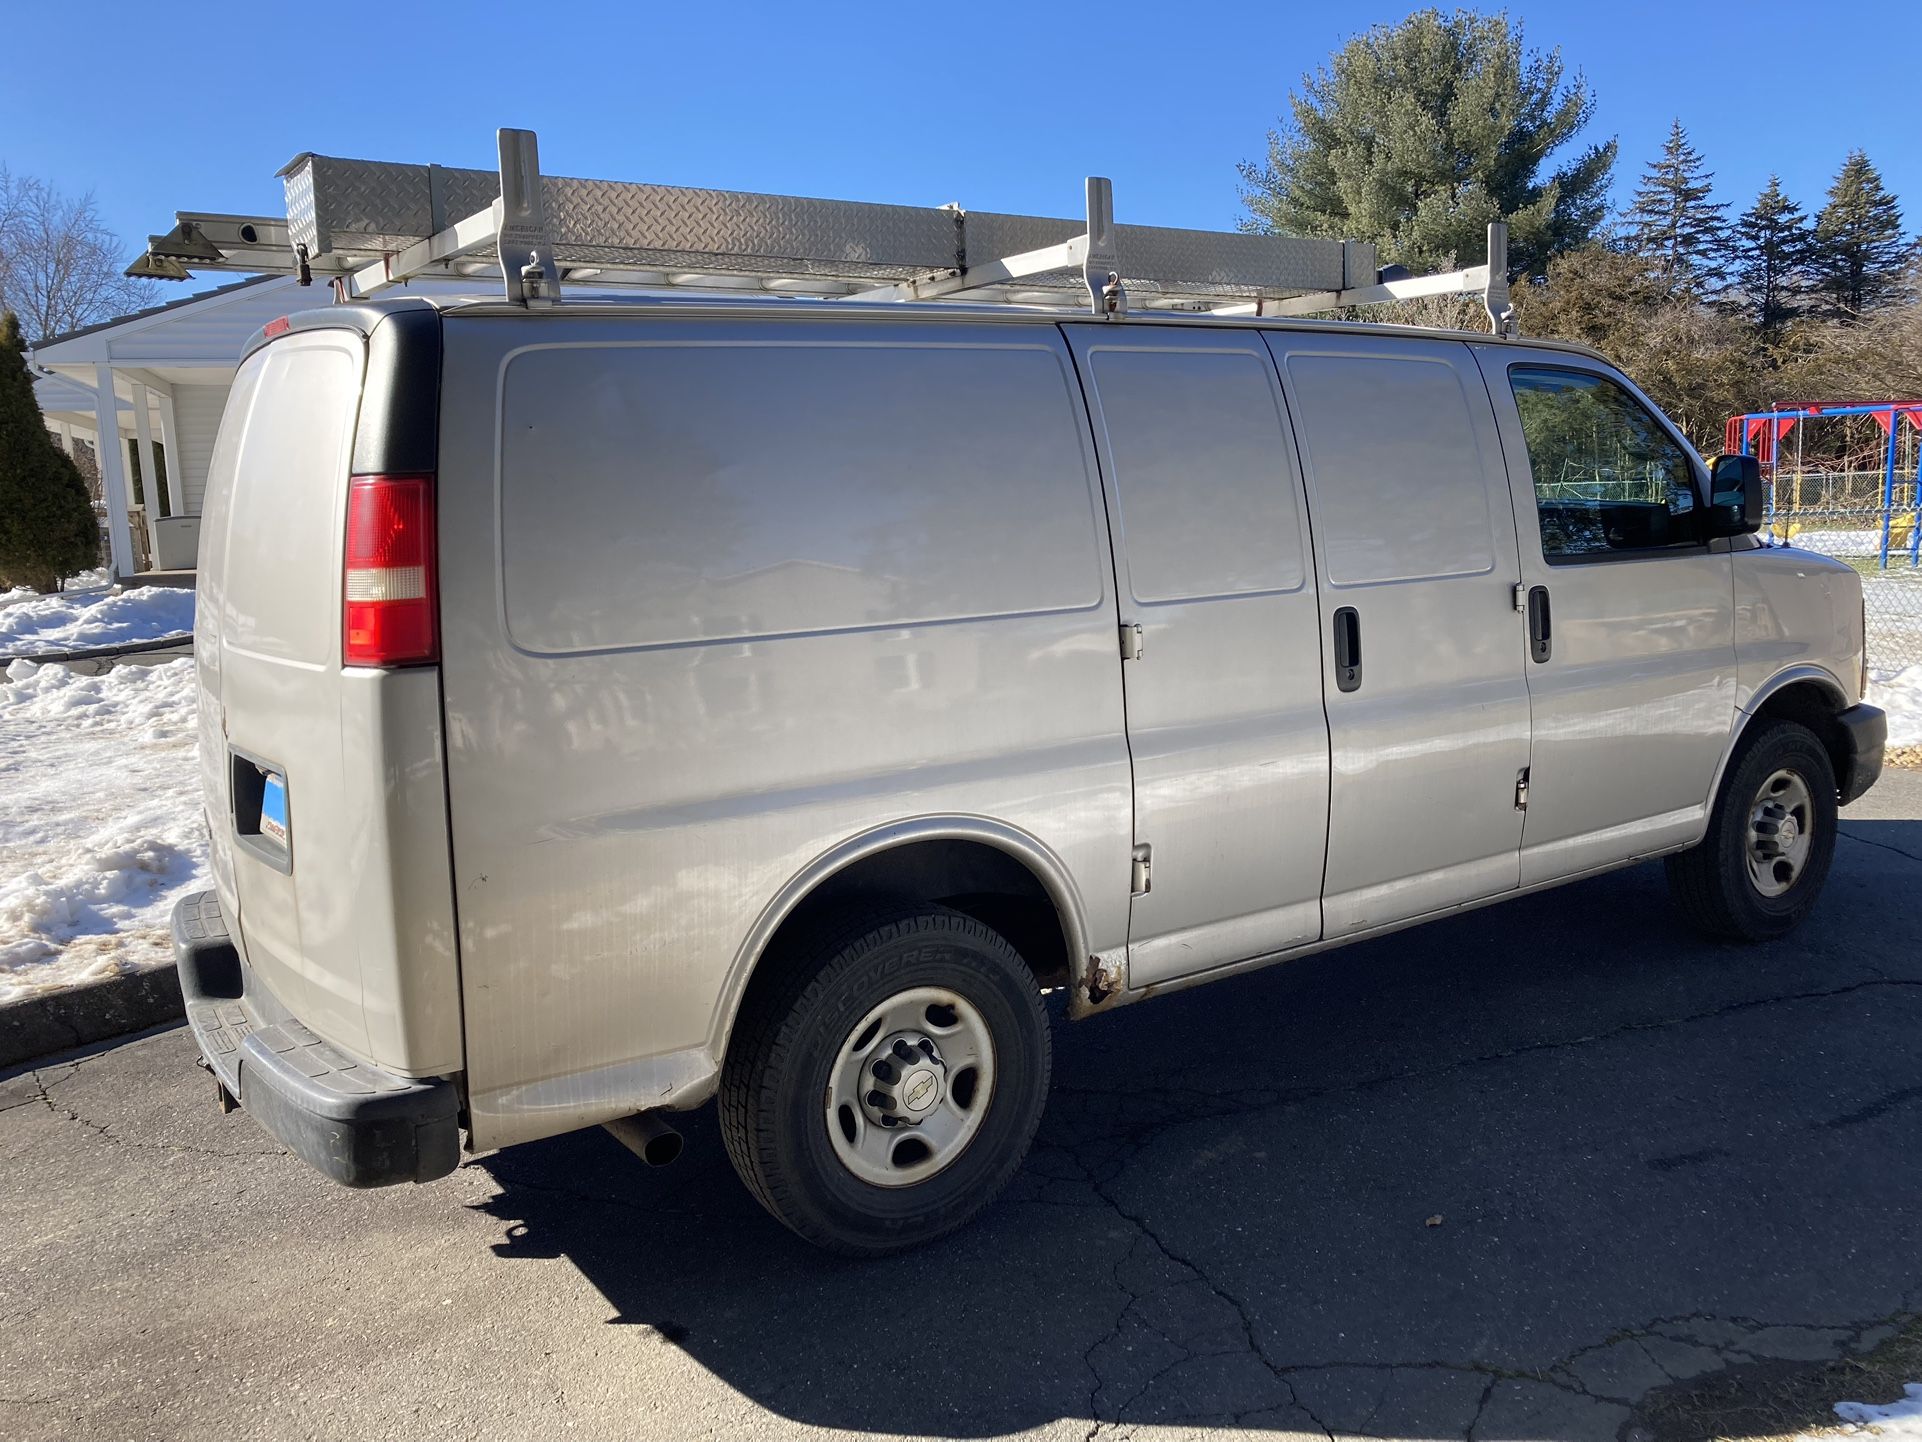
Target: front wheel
x=1770 y=839
x=885 y=1083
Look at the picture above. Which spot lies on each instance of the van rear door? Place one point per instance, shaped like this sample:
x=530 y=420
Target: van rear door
x=323 y=783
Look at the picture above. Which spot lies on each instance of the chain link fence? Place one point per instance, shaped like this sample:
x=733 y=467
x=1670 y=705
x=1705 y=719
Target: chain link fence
x=1852 y=516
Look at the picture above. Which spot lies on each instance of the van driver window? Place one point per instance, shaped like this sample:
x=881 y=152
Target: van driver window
x=1607 y=476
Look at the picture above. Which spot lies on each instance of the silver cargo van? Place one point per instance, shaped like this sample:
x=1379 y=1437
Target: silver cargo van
x=609 y=707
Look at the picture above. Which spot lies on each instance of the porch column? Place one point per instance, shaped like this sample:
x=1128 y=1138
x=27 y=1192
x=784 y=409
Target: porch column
x=149 y=468
x=113 y=473
x=169 y=442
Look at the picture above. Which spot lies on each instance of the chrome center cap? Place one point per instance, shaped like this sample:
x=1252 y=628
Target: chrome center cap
x=1788 y=832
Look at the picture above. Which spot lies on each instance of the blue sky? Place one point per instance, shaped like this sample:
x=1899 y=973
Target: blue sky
x=156 y=111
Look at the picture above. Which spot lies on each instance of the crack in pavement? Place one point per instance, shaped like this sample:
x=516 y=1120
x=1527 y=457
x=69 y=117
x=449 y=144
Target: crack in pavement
x=1481 y=1407
x=1192 y=1104
x=106 y=1133
x=1146 y=1233
x=36 y=1401
x=1680 y=1328
x=1868 y=841
x=1283 y=1372
x=1879 y=1107
x=1102 y=1155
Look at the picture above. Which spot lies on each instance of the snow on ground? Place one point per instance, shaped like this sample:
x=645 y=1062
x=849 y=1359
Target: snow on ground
x=1900 y=694
x=100 y=821
x=1894 y=1419
x=73 y=620
x=1843 y=543
x=99 y=578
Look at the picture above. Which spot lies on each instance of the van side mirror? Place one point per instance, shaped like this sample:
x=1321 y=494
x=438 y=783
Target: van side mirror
x=1735 y=496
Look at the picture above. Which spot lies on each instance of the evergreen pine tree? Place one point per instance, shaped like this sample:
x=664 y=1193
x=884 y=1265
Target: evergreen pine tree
x=47 y=526
x=1416 y=135
x=1771 y=249
x=1673 y=223
x=1859 y=251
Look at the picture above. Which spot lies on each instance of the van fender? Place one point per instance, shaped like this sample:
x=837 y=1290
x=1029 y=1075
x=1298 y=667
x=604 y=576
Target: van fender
x=1745 y=715
x=1023 y=846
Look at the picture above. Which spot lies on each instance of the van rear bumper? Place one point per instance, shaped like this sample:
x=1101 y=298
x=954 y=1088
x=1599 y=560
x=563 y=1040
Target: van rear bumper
x=1866 y=731
x=362 y=1126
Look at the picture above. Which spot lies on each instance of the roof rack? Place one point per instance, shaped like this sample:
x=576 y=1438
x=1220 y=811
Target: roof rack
x=366 y=225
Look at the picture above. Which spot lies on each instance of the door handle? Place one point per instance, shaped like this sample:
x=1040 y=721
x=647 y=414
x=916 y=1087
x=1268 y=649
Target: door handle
x=1541 y=635
x=1347 y=649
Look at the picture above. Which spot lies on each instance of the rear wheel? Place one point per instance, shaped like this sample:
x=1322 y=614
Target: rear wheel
x=885 y=1083
x=1770 y=840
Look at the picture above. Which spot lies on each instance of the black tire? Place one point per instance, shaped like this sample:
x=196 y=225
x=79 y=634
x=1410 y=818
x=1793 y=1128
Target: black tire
x=790 y=1032
x=1711 y=882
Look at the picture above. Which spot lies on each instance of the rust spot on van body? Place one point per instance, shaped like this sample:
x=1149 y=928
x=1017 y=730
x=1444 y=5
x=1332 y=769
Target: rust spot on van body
x=1101 y=979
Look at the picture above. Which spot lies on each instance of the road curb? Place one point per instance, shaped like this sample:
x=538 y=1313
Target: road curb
x=39 y=1026
x=182 y=641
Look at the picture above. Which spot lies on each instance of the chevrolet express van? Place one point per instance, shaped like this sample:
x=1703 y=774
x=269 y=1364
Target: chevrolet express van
x=609 y=707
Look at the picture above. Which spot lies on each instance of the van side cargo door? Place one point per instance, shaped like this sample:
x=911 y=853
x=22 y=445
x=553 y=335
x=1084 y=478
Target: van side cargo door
x=1223 y=691
x=1415 y=547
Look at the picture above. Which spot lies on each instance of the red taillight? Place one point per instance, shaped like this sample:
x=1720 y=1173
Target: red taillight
x=390 y=614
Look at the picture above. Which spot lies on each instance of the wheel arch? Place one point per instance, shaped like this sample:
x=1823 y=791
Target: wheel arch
x=1808 y=695
x=907 y=859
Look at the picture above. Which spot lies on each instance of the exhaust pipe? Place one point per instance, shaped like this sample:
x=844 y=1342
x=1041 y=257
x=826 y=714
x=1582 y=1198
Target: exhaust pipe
x=648 y=1137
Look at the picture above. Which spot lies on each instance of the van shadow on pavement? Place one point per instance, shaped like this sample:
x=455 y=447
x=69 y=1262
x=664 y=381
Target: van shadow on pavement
x=1651 y=1158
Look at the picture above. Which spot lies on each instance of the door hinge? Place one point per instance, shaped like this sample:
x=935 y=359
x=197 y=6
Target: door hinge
x=1131 y=647
x=1521 y=789
x=1520 y=594
x=1142 y=879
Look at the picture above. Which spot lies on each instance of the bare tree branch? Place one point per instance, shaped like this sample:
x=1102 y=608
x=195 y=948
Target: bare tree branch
x=60 y=267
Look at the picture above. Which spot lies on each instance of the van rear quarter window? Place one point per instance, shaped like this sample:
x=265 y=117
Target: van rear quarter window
x=1201 y=466
x=1397 y=484
x=654 y=494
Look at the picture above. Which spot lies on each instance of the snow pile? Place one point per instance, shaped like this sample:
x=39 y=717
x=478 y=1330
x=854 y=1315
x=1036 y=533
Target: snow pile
x=1900 y=694
x=151 y=703
x=74 y=620
x=100 y=823
x=1843 y=543
x=99 y=578
x=1896 y=1419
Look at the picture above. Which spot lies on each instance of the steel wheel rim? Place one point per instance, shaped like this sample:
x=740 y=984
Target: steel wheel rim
x=1781 y=828
x=910 y=1087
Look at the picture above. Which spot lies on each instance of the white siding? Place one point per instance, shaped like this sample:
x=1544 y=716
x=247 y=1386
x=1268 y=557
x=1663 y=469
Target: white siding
x=196 y=417
x=213 y=333
x=57 y=393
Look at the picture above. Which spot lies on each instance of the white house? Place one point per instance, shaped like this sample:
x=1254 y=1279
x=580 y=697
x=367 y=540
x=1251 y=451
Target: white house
x=158 y=377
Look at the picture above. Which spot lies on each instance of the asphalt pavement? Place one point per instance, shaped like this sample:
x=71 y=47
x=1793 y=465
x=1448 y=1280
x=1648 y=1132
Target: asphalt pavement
x=1495 y=1178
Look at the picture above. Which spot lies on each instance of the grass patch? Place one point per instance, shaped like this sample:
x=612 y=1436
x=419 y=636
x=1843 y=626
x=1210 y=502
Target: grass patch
x=1779 y=1400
